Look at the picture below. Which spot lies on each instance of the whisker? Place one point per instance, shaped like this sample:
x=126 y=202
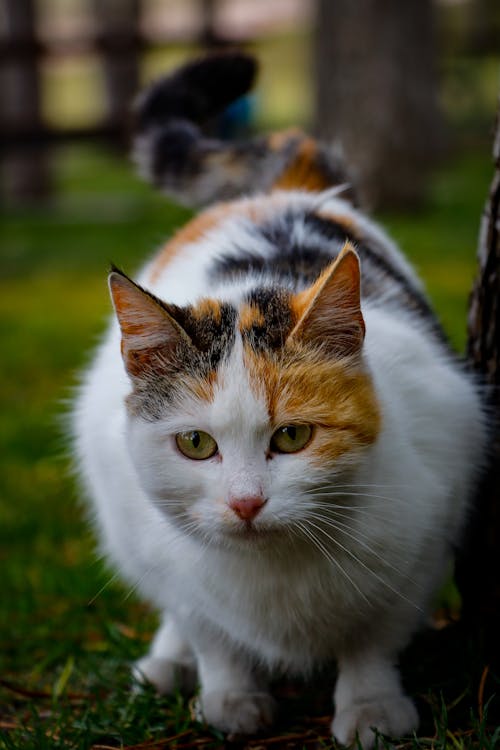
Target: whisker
x=103 y=588
x=366 y=567
x=317 y=485
x=136 y=585
x=318 y=544
x=373 y=512
x=353 y=520
x=327 y=493
x=384 y=514
x=358 y=538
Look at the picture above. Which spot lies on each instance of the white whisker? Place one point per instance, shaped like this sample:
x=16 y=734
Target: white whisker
x=328 y=556
x=103 y=588
x=347 y=530
x=136 y=585
x=372 y=512
x=342 y=493
x=364 y=565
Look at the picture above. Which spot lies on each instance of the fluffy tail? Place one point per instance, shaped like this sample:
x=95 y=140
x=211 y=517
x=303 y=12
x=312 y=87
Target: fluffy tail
x=172 y=151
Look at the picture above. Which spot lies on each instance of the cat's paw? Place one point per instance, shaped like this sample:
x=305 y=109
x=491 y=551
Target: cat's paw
x=394 y=716
x=237 y=713
x=165 y=675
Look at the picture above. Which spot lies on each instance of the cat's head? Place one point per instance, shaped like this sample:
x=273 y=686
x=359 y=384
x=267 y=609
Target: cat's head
x=239 y=414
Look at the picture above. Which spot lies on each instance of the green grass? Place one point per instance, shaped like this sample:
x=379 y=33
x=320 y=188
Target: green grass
x=67 y=630
x=441 y=240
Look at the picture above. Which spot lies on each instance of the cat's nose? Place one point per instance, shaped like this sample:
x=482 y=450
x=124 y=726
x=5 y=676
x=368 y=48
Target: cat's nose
x=247 y=507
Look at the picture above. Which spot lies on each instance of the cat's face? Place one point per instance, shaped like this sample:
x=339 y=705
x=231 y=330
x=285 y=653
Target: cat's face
x=238 y=416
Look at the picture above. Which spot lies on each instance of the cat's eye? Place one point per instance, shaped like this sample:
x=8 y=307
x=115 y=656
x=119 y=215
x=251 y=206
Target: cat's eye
x=291 y=438
x=196 y=444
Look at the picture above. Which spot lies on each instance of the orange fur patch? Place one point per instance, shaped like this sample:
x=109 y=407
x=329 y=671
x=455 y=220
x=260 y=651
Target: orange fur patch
x=202 y=389
x=336 y=397
x=301 y=301
x=207 y=307
x=304 y=171
x=249 y=316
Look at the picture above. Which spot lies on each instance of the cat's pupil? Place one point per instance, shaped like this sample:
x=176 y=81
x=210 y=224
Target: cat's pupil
x=195 y=439
x=291 y=431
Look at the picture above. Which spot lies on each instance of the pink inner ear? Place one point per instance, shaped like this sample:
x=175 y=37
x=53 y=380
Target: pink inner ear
x=145 y=325
x=329 y=311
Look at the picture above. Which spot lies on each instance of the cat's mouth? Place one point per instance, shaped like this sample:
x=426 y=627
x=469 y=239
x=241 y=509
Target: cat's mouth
x=248 y=530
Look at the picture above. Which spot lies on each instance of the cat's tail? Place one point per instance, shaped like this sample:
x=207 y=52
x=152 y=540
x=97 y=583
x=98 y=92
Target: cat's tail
x=173 y=152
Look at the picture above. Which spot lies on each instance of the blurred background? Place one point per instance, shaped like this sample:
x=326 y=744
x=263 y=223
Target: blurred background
x=401 y=85
x=410 y=90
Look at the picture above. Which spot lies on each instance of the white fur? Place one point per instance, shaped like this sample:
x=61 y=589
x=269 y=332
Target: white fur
x=248 y=605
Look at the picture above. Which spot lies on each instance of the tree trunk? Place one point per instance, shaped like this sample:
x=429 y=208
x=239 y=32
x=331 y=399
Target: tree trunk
x=376 y=93
x=478 y=569
x=483 y=26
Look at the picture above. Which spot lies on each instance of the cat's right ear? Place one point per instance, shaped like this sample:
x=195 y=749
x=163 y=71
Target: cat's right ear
x=329 y=311
x=150 y=336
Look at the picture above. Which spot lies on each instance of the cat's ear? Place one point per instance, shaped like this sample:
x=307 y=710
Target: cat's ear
x=149 y=334
x=329 y=311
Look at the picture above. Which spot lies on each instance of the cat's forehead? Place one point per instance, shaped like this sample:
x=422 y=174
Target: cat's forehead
x=249 y=341
x=263 y=316
x=235 y=402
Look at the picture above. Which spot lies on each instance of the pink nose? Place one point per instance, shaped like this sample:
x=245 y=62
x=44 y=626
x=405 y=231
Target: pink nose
x=247 y=508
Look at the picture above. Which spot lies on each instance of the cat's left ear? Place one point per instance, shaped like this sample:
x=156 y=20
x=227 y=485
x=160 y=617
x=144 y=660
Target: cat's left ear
x=329 y=311
x=150 y=335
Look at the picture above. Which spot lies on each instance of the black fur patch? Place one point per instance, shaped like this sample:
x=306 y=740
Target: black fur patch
x=213 y=336
x=170 y=111
x=273 y=305
x=290 y=262
x=174 y=150
x=197 y=91
x=293 y=268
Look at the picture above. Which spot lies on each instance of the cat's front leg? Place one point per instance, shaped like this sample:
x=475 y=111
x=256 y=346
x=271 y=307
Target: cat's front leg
x=170 y=663
x=368 y=695
x=232 y=697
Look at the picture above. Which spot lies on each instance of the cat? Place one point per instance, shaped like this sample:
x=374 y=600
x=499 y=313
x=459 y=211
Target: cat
x=278 y=444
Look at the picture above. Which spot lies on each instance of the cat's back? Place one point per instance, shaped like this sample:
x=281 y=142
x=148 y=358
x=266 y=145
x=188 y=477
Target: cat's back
x=282 y=239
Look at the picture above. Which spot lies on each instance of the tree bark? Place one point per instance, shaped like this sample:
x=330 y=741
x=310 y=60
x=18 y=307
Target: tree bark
x=478 y=568
x=483 y=26
x=376 y=93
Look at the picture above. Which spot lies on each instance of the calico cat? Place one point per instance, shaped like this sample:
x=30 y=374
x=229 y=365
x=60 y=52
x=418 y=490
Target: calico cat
x=279 y=446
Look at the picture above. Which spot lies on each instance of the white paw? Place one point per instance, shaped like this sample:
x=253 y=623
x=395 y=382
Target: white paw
x=393 y=715
x=165 y=675
x=237 y=713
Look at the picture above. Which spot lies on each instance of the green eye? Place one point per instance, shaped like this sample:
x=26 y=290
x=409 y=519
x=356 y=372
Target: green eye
x=291 y=438
x=196 y=444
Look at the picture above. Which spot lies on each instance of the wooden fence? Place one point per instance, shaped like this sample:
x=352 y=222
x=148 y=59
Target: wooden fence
x=117 y=42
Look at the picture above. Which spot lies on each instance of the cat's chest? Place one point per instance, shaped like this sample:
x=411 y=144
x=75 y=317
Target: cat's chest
x=292 y=616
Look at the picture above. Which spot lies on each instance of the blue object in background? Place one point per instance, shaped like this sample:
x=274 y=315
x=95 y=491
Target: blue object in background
x=237 y=119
